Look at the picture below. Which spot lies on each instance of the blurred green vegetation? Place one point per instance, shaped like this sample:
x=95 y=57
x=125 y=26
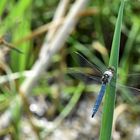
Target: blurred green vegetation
x=92 y=38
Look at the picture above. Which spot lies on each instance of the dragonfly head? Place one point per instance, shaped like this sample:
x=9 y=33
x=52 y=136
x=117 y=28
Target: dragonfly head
x=108 y=74
x=111 y=68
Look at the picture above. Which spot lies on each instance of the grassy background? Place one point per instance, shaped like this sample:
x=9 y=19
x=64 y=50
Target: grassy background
x=92 y=37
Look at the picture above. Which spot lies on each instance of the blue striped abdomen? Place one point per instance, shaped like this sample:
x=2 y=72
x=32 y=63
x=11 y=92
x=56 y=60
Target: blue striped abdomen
x=99 y=99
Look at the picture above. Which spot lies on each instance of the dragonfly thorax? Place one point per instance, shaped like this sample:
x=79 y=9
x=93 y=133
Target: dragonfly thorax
x=107 y=76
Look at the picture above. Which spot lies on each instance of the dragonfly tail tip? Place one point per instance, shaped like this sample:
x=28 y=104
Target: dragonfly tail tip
x=93 y=115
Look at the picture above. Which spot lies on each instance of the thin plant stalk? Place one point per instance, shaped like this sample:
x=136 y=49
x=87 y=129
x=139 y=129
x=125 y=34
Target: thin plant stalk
x=108 y=109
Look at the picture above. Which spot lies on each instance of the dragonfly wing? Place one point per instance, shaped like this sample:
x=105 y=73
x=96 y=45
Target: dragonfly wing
x=129 y=86
x=92 y=65
x=99 y=99
x=132 y=79
x=80 y=74
x=130 y=92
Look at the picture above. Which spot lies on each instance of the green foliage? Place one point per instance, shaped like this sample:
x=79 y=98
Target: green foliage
x=92 y=38
x=16 y=113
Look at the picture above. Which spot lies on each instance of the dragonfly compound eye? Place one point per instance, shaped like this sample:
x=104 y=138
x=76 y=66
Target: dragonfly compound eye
x=105 y=78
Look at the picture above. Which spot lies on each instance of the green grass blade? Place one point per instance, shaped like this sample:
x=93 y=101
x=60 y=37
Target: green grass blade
x=106 y=126
x=129 y=46
x=22 y=30
x=2 y=6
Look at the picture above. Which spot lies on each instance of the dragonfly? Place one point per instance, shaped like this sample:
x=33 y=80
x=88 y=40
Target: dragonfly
x=105 y=79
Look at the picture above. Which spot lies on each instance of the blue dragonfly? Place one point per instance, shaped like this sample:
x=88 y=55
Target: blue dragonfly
x=105 y=78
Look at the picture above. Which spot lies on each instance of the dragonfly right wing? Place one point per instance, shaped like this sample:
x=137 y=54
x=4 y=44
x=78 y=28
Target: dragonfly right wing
x=129 y=86
x=129 y=81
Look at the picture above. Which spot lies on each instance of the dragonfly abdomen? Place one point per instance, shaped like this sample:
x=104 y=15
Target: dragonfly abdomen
x=99 y=99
